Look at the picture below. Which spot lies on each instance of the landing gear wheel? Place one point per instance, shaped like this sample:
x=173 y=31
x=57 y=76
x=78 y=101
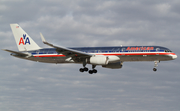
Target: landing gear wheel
x=90 y=71
x=154 y=69
x=81 y=69
x=155 y=65
x=94 y=71
x=86 y=69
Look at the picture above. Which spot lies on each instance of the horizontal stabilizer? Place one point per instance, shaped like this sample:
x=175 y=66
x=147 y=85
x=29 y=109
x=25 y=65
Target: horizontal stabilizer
x=17 y=53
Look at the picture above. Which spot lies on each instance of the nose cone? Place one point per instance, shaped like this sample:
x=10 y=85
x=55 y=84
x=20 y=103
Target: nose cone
x=174 y=56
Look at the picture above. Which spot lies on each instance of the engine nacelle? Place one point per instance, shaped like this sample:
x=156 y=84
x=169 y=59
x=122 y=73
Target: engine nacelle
x=116 y=65
x=99 y=60
x=113 y=59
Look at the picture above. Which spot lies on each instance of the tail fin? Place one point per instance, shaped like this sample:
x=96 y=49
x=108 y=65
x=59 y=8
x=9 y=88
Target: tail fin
x=23 y=40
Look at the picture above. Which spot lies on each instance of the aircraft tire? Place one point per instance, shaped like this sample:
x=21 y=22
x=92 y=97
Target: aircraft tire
x=154 y=69
x=86 y=69
x=94 y=71
x=90 y=71
x=81 y=70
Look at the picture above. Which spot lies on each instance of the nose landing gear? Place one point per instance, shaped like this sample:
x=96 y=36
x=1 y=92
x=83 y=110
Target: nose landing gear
x=155 y=65
x=154 y=69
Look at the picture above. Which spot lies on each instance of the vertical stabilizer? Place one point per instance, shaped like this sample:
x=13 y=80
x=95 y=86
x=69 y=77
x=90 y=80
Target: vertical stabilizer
x=23 y=40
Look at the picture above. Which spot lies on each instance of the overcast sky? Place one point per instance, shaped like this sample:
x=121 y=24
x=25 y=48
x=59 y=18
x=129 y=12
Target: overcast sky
x=32 y=86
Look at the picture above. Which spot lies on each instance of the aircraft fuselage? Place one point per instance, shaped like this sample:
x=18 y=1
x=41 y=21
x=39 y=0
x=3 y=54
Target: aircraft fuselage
x=125 y=53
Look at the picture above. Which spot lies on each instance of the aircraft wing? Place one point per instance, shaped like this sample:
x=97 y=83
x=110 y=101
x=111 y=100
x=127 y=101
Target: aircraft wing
x=66 y=51
x=17 y=53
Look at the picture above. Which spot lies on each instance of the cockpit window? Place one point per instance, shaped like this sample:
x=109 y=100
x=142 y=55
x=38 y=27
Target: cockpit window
x=168 y=51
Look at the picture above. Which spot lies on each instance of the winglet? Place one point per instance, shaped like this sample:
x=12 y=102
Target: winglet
x=42 y=37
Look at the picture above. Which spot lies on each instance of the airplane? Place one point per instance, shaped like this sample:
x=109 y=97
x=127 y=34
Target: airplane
x=107 y=57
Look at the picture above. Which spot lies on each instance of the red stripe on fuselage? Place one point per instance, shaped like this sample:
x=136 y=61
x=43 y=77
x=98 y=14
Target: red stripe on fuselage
x=49 y=55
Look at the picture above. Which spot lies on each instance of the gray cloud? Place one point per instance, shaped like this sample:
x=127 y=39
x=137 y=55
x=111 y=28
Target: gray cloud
x=27 y=85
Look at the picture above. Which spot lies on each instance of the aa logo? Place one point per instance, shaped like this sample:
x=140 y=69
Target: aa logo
x=24 y=40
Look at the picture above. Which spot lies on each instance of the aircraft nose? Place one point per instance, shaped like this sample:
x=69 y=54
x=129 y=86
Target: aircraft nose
x=174 y=56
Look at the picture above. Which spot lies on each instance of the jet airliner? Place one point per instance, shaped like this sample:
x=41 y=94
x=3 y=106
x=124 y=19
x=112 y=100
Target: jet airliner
x=107 y=57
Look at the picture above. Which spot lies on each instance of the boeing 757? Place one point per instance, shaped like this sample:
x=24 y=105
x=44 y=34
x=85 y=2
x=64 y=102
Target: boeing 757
x=107 y=57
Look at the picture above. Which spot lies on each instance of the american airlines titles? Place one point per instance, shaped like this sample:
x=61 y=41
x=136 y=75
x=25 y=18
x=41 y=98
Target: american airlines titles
x=140 y=48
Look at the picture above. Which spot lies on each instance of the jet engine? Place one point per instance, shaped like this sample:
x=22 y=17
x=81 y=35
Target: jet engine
x=99 y=60
x=103 y=60
x=116 y=65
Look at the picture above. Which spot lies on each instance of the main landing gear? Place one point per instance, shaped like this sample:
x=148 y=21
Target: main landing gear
x=93 y=70
x=85 y=69
x=155 y=65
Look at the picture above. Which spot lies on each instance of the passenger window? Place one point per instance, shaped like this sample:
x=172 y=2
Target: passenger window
x=123 y=49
